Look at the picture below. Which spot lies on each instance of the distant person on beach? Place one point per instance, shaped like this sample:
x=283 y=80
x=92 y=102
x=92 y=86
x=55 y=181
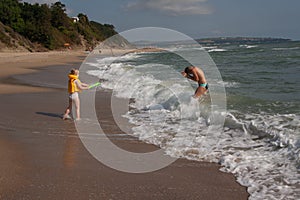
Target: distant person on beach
x=197 y=75
x=74 y=86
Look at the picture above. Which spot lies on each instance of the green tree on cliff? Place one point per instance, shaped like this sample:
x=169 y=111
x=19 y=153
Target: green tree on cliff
x=50 y=26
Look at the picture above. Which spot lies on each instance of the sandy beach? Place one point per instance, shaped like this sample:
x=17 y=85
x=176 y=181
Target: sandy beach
x=43 y=157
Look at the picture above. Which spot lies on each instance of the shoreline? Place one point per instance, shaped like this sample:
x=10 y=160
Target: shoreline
x=12 y=64
x=68 y=165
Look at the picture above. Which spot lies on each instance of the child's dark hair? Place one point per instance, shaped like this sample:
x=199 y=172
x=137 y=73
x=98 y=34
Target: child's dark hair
x=73 y=71
x=187 y=70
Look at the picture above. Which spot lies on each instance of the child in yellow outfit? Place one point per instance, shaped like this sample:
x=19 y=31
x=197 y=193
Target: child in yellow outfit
x=74 y=86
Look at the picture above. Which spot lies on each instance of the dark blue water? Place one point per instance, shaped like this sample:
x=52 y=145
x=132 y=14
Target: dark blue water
x=264 y=73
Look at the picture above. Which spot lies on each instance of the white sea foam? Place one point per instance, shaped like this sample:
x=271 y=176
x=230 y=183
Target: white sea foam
x=229 y=84
x=285 y=49
x=202 y=48
x=210 y=47
x=217 y=50
x=261 y=150
x=249 y=46
x=185 y=48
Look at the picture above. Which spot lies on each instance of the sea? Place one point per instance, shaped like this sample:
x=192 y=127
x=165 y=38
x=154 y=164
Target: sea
x=255 y=136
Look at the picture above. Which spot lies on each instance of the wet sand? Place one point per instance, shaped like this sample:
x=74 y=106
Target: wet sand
x=43 y=157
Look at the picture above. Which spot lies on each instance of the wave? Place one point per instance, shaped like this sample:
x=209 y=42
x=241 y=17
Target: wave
x=261 y=150
x=229 y=84
x=217 y=50
x=284 y=49
x=210 y=47
x=249 y=46
x=202 y=48
x=185 y=48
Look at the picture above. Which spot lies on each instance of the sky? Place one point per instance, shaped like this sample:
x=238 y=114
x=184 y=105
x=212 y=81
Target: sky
x=195 y=18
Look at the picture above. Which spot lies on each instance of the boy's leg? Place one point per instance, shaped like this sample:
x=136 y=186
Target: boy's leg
x=199 y=91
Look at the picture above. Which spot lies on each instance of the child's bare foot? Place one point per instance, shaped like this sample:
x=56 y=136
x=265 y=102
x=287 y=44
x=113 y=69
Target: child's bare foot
x=66 y=117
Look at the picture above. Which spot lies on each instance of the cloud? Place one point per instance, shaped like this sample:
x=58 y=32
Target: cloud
x=172 y=7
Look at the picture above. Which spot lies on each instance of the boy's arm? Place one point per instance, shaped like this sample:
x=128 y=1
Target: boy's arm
x=186 y=75
x=85 y=85
x=190 y=77
x=195 y=75
x=82 y=86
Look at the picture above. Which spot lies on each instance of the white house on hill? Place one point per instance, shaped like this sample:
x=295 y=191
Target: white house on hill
x=75 y=19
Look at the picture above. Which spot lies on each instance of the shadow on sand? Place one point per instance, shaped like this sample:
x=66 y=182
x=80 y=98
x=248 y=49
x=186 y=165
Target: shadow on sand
x=50 y=114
